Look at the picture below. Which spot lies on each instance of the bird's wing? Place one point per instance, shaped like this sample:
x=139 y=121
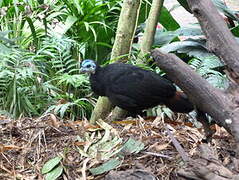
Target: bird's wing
x=138 y=86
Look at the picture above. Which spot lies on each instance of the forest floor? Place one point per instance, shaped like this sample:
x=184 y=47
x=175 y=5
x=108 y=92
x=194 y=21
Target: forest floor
x=153 y=153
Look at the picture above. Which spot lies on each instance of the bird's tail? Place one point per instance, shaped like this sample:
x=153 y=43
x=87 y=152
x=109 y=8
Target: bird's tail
x=179 y=103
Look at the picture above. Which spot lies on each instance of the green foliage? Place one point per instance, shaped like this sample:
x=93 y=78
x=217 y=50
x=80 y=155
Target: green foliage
x=235 y=31
x=30 y=82
x=21 y=19
x=225 y=10
x=208 y=68
x=58 y=55
x=167 y=20
x=50 y=164
x=189 y=44
x=21 y=89
x=52 y=169
x=204 y=62
x=92 y=24
x=58 y=59
x=107 y=166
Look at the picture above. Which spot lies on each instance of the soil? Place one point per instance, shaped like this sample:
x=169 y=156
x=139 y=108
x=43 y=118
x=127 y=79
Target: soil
x=27 y=144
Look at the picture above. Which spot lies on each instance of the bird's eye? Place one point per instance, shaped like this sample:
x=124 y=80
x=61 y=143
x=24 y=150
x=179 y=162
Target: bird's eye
x=88 y=66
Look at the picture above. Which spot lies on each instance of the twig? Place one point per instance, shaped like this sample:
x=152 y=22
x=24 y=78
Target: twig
x=157 y=154
x=83 y=170
x=177 y=145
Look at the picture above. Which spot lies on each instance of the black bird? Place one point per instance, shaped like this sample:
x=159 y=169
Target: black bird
x=134 y=89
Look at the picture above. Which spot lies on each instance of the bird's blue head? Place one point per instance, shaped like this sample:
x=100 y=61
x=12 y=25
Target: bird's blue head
x=88 y=66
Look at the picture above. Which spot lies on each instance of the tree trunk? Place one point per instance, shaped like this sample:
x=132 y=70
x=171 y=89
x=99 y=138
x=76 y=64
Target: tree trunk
x=121 y=49
x=149 y=33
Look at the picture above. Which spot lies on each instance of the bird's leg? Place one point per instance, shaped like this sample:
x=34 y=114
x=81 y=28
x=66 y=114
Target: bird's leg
x=134 y=114
x=202 y=118
x=117 y=114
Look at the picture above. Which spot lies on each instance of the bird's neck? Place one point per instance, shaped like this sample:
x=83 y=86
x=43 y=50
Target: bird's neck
x=97 y=81
x=98 y=71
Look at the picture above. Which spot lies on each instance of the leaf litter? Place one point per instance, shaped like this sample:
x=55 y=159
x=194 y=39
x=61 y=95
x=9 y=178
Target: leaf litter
x=154 y=148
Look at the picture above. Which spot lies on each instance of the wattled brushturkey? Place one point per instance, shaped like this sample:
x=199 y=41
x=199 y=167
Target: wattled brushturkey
x=134 y=89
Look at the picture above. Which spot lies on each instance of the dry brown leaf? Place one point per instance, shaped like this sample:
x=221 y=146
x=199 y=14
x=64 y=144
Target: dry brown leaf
x=91 y=127
x=158 y=147
x=54 y=121
x=125 y=122
x=161 y=147
x=83 y=143
x=8 y=147
x=61 y=101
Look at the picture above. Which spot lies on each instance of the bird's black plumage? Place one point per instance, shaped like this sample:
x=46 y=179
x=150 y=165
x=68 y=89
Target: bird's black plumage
x=135 y=89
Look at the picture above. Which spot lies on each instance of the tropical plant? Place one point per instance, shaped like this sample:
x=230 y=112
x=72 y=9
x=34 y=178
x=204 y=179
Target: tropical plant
x=23 y=21
x=30 y=82
x=91 y=23
x=21 y=89
x=41 y=27
x=58 y=59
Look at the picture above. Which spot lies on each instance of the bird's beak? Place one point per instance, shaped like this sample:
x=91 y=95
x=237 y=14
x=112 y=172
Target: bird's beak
x=82 y=70
x=88 y=71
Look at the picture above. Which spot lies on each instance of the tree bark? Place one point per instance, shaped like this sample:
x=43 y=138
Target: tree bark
x=219 y=38
x=101 y=110
x=150 y=29
x=221 y=42
x=207 y=167
x=125 y=31
x=223 y=107
x=121 y=49
x=200 y=92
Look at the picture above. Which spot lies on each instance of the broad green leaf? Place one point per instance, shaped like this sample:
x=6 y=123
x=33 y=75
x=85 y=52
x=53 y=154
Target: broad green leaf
x=4 y=49
x=198 y=53
x=108 y=146
x=54 y=15
x=184 y=3
x=175 y=46
x=162 y=38
x=70 y=21
x=132 y=146
x=64 y=108
x=224 y=9
x=235 y=31
x=109 y=165
x=55 y=173
x=107 y=129
x=108 y=155
x=168 y=112
x=50 y=164
x=33 y=30
x=189 y=31
x=78 y=7
x=167 y=20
